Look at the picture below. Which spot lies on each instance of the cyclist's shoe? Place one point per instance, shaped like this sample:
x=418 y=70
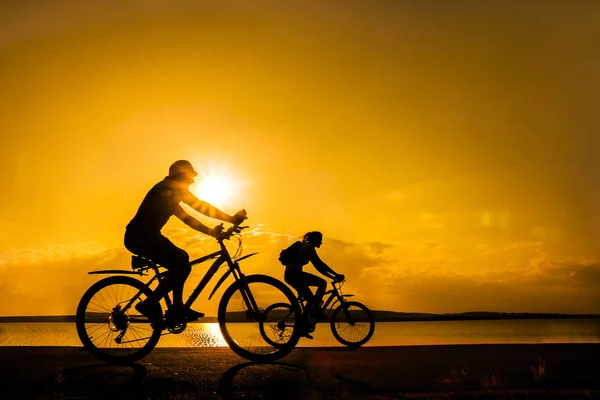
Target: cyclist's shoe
x=309 y=327
x=151 y=311
x=192 y=315
x=181 y=312
x=306 y=327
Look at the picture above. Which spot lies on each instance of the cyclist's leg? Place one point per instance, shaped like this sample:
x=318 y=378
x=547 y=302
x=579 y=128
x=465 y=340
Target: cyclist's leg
x=177 y=262
x=160 y=250
x=297 y=281
x=145 y=246
x=320 y=283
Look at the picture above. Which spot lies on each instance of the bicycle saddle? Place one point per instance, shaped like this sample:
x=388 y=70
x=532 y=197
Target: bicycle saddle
x=138 y=262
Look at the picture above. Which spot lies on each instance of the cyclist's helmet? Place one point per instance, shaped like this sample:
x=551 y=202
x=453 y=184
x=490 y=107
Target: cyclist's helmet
x=181 y=167
x=314 y=237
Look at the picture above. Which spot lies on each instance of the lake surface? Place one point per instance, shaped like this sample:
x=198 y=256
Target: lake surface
x=386 y=333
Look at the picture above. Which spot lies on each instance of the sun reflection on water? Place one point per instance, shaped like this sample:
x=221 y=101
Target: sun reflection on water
x=205 y=335
x=386 y=333
x=195 y=335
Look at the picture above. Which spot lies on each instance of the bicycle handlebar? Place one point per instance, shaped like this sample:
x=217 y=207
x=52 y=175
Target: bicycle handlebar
x=232 y=230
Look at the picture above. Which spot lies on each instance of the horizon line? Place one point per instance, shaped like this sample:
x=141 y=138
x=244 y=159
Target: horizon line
x=385 y=311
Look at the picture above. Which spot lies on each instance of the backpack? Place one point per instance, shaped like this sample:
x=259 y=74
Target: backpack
x=287 y=255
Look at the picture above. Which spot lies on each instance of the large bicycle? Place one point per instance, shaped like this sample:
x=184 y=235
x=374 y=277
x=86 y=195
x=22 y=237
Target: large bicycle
x=112 y=330
x=351 y=322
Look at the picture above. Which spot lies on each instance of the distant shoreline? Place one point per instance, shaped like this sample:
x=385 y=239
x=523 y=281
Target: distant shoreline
x=380 y=316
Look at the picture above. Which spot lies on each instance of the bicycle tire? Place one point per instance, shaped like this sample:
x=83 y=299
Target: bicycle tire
x=270 y=353
x=111 y=355
x=338 y=319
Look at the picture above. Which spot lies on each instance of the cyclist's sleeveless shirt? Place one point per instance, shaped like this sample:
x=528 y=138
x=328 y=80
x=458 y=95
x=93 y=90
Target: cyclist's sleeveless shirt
x=157 y=207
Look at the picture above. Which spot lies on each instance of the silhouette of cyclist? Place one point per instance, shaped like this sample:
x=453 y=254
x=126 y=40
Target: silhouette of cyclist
x=143 y=237
x=298 y=255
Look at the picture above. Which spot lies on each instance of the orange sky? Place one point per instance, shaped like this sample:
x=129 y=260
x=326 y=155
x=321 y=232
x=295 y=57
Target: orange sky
x=447 y=152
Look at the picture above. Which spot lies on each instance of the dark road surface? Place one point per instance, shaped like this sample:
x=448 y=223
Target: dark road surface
x=478 y=371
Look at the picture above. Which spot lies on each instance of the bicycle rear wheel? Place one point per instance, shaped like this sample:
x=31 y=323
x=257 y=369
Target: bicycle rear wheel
x=278 y=324
x=106 y=329
x=240 y=322
x=352 y=324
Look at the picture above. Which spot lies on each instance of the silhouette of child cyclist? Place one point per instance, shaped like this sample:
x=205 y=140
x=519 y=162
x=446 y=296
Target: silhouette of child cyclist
x=294 y=258
x=143 y=237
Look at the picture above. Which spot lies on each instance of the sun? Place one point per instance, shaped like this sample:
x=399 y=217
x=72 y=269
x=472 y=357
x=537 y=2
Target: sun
x=215 y=188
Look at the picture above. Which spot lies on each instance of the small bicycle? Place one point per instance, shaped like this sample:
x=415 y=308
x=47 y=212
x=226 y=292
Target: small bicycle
x=351 y=322
x=112 y=330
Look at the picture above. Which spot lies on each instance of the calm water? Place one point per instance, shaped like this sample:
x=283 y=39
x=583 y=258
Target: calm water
x=386 y=333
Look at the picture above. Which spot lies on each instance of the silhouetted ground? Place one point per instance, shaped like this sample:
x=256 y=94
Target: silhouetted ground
x=460 y=371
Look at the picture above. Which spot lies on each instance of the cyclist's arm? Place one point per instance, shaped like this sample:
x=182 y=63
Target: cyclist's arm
x=205 y=208
x=191 y=221
x=321 y=266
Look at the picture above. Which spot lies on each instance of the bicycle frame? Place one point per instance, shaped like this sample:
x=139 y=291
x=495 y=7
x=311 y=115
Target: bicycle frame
x=234 y=269
x=334 y=298
x=223 y=257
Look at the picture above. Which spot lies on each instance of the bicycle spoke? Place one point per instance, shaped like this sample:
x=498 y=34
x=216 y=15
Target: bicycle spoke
x=145 y=336
x=103 y=325
x=105 y=338
x=137 y=335
x=95 y=324
x=355 y=333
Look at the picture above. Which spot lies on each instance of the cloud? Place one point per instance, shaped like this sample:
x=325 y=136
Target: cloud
x=416 y=276
x=50 y=281
x=573 y=273
x=51 y=253
x=379 y=247
x=543 y=285
x=419 y=275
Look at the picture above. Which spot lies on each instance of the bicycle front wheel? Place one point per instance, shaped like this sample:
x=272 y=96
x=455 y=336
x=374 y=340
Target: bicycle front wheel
x=352 y=324
x=242 y=311
x=109 y=329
